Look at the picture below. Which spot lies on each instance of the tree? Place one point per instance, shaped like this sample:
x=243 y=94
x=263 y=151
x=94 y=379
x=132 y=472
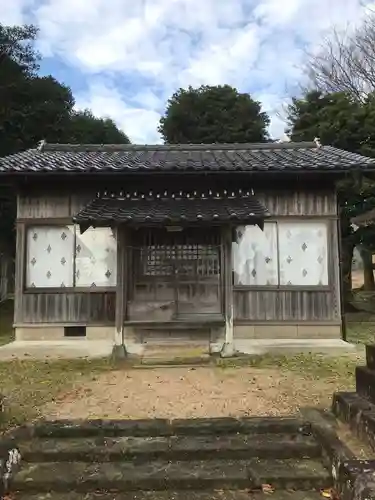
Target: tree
x=84 y=128
x=346 y=61
x=31 y=107
x=34 y=108
x=342 y=121
x=213 y=114
x=37 y=108
x=346 y=64
x=17 y=45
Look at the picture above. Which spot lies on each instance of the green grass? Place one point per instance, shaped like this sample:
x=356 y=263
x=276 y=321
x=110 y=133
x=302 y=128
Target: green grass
x=311 y=366
x=6 y=322
x=28 y=385
x=362 y=332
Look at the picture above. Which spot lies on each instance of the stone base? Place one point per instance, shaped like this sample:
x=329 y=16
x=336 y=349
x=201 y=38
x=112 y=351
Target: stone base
x=50 y=332
x=287 y=331
x=288 y=346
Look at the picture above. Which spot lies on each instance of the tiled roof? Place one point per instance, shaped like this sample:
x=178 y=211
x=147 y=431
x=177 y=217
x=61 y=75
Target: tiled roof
x=105 y=210
x=294 y=157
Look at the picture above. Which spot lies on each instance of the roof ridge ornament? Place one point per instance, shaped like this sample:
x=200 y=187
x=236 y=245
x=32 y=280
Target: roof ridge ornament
x=317 y=142
x=41 y=145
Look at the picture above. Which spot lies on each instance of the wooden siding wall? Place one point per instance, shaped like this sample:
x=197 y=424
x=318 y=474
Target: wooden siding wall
x=94 y=308
x=250 y=305
x=294 y=305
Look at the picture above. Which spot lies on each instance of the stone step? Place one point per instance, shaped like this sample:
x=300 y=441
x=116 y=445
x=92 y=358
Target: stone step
x=294 y=474
x=163 y=427
x=176 y=353
x=180 y=359
x=365 y=382
x=174 y=495
x=143 y=449
x=370 y=356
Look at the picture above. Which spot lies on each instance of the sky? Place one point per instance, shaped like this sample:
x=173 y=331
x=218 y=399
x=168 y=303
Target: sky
x=125 y=58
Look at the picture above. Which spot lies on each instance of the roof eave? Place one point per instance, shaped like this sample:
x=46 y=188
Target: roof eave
x=43 y=173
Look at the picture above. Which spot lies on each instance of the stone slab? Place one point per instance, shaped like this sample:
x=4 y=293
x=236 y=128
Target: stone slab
x=290 y=474
x=285 y=347
x=163 y=427
x=296 y=474
x=370 y=356
x=357 y=480
x=358 y=413
x=105 y=449
x=365 y=382
x=57 y=349
x=175 y=495
x=126 y=476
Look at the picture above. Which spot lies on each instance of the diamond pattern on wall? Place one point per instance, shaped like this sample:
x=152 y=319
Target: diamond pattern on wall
x=255 y=255
x=303 y=253
x=46 y=252
x=96 y=258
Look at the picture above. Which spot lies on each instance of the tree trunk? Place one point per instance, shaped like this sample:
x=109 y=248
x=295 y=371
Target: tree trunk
x=368 y=272
x=347 y=248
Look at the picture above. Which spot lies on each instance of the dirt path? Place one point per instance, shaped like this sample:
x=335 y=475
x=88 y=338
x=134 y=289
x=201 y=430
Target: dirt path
x=200 y=392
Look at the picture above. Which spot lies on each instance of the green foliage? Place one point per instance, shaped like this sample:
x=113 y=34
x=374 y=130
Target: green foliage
x=331 y=117
x=85 y=128
x=34 y=108
x=340 y=120
x=213 y=114
x=17 y=44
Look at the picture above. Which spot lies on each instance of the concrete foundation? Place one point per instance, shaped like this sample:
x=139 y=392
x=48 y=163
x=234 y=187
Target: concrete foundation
x=248 y=339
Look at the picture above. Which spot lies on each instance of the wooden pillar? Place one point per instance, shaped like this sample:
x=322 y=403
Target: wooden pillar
x=228 y=347
x=121 y=288
x=20 y=272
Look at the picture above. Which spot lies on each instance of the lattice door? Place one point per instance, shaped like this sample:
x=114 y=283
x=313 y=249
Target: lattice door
x=183 y=268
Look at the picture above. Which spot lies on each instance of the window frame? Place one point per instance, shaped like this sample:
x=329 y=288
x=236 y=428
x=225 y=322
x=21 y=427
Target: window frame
x=308 y=220
x=58 y=223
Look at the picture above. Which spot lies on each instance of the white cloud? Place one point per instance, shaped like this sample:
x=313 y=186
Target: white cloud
x=137 y=120
x=14 y=13
x=254 y=45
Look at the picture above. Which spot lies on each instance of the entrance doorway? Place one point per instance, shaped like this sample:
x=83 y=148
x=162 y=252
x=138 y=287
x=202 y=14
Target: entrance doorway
x=176 y=275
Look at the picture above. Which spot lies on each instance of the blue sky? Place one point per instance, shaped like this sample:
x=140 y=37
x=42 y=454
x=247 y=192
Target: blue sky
x=125 y=58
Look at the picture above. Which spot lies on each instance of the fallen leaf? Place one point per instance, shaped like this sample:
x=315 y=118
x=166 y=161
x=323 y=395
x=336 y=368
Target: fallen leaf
x=334 y=495
x=267 y=488
x=330 y=493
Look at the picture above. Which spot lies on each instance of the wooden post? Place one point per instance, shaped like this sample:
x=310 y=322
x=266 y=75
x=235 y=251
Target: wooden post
x=20 y=272
x=121 y=289
x=228 y=347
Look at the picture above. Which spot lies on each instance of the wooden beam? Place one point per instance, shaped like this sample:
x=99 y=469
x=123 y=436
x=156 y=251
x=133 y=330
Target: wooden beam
x=228 y=347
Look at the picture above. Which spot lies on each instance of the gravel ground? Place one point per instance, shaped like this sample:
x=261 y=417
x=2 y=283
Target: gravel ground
x=186 y=392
